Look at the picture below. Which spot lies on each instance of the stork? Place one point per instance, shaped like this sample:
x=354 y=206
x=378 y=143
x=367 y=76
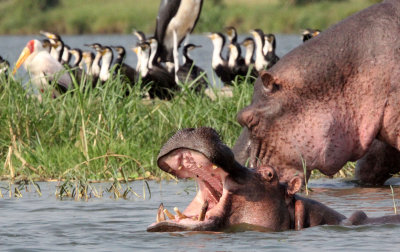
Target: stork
x=42 y=67
x=176 y=19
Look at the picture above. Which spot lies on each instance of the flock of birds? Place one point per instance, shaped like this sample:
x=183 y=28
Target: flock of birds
x=51 y=61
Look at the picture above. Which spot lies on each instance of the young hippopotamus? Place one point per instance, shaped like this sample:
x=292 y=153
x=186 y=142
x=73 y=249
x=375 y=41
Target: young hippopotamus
x=233 y=197
x=334 y=99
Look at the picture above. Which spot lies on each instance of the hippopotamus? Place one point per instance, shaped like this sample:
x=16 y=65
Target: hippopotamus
x=234 y=197
x=333 y=99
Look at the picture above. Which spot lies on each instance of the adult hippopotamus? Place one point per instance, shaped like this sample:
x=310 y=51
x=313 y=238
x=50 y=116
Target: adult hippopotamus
x=234 y=197
x=335 y=98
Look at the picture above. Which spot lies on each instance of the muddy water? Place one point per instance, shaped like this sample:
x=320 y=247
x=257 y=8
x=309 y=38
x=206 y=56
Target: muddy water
x=34 y=223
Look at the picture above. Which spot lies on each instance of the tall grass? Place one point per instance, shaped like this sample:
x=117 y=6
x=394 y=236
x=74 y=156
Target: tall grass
x=101 y=133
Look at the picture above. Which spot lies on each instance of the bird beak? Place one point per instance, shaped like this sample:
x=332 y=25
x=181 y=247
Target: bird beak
x=135 y=50
x=48 y=35
x=24 y=54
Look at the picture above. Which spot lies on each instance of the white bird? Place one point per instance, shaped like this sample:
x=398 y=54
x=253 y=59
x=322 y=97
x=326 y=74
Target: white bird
x=42 y=67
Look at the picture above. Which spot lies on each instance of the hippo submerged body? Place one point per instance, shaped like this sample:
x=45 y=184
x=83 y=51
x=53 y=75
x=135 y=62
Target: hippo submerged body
x=233 y=197
x=334 y=99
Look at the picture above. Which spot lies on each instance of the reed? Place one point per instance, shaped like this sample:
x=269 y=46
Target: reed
x=101 y=133
x=394 y=202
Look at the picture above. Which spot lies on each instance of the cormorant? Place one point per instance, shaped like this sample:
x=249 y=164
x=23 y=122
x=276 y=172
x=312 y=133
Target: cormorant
x=125 y=69
x=309 y=34
x=248 y=44
x=57 y=48
x=175 y=19
x=106 y=60
x=162 y=83
x=236 y=62
x=189 y=72
x=220 y=65
x=270 y=46
x=4 y=68
x=95 y=69
x=260 y=61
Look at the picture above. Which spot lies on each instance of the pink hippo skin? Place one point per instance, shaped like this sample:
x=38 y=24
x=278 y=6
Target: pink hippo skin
x=329 y=100
x=232 y=197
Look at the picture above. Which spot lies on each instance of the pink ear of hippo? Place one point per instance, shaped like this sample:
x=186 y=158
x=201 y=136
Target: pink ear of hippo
x=294 y=185
x=268 y=81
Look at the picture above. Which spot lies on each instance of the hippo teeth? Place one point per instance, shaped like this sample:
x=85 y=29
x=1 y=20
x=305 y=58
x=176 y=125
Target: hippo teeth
x=180 y=215
x=169 y=214
x=160 y=213
x=203 y=211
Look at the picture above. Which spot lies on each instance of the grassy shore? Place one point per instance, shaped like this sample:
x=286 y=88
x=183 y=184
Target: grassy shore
x=121 y=16
x=98 y=134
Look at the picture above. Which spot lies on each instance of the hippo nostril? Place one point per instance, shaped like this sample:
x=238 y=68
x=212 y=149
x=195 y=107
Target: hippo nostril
x=246 y=118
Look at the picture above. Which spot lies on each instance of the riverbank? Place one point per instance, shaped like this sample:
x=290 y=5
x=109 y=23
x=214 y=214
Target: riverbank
x=121 y=16
x=100 y=134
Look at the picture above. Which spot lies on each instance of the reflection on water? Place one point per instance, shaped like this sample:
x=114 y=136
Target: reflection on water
x=105 y=224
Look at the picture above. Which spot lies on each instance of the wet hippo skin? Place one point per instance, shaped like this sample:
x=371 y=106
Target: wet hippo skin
x=334 y=99
x=232 y=197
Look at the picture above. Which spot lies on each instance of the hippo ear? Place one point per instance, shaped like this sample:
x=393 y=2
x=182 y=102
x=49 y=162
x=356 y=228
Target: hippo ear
x=268 y=82
x=294 y=186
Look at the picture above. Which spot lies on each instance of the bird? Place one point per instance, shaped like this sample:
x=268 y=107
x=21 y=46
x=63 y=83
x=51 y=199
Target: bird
x=191 y=73
x=95 y=68
x=236 y=63
x=106 y=61
x=76 y=67
x=248 y=44
x=88 y=58
x=4 y=68
x=232 y=38
x=66 y=55
x=43 y=68
x=141 y=37
x=162 y=83
x=129 y=72
x=260 y=61
x=309 y=34
x=175 y=19
x=218 y=63
x=269 y=50
x=57 y=45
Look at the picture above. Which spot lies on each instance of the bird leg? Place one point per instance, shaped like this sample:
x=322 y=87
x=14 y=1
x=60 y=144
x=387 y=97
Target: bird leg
x=176 y=56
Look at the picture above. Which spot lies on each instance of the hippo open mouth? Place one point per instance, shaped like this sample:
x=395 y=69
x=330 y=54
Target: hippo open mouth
x=186 y=163
x=198 y=154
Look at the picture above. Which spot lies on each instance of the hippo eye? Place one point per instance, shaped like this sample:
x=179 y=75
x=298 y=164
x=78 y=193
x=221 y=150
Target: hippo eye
x=267 y=174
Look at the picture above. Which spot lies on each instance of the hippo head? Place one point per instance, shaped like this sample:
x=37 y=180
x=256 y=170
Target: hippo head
x=230 y=195
x=293 y=124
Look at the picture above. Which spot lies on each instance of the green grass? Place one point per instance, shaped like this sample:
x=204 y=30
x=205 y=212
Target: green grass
x=99 y=133
x=121 y=16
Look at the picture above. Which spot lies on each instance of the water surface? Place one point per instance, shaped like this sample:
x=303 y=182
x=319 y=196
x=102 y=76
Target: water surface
x=45 y=223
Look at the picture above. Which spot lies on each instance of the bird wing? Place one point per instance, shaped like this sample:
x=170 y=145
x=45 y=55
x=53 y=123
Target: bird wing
x=45 y=63
x=167 y=10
